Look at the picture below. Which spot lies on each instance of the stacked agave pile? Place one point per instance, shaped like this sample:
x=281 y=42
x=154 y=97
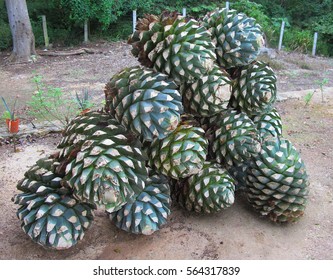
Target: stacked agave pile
x=194 y=124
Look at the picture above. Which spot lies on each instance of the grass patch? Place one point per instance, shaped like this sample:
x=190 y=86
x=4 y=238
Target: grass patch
x=275 y=64
x=302 y=64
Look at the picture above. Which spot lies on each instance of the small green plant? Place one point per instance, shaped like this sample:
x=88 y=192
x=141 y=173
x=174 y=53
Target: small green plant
x=83 y=101
x=308 y=97
x=9 y=113
x=321 y=84
x=51 y=104
x=6 y=115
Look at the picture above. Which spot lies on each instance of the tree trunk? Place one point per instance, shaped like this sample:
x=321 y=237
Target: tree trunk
x=20 y=26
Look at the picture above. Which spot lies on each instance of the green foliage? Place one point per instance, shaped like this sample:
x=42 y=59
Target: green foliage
x=194 y=8
x=303 y=14
x=83 y=100
x=50 y=104
x=251 y=9
x=324 y=24
x=6 y=115
x=308 y=97
x=103 y=11
x=296 y=39
x=272 y=8
x=277 y=22
x=9 y=113
x=5 y=35
x=321 y=84
x=120 y=30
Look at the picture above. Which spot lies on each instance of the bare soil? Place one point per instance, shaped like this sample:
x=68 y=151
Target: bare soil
x=235 y=233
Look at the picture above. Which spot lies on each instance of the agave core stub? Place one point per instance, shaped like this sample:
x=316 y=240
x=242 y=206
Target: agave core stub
x=208 y=95
x=172 y=45
x=269 y=124
x=50 y=215
x=76 y=132
x=182 y=153
x=149 y=211
x=109 y=170
x=238 y=38
x=238 y=172
x=145 y=102
x=278 y=182
x=208 y=191
x=254 y=91
x=236 y=138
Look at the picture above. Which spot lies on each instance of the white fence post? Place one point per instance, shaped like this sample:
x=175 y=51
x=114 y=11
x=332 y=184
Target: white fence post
x=86 y=39
x=281 y=35
x=184 y=12
x=46 y=37
x=227 y=5
x=314 y=48
x=134 y=20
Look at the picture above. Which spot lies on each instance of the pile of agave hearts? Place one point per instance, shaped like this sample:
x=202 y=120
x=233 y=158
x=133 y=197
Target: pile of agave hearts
x=194 y=124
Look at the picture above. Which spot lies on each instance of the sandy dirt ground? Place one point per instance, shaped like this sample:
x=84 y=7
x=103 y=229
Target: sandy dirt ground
x=235 y=233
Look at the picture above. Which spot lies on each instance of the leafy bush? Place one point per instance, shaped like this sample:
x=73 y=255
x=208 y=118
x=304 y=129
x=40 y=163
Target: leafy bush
x=324 y=25
x=202 y=9
x=51 y=104
x=119 y=30
x=5 y=35
x=296 y=39
x=59 y=36
x=273 y=9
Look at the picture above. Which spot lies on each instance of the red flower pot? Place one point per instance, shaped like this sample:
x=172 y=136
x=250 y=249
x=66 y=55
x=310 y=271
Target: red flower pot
x=13 y=125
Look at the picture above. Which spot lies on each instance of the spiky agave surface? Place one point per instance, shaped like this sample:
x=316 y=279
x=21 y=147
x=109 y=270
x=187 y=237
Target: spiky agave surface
x=208 y=191
x=76 y=132
x=171 y=45
x=145 y=102
x=254 y=92
x=238 y=38
x=269 y=124
x=145 y=37
x=278 y=182
x=236 y=137
x=239 y=172
x=50 y=215
x=109 y=170
x=208 y=95
x=182 y=153
x=150 y=209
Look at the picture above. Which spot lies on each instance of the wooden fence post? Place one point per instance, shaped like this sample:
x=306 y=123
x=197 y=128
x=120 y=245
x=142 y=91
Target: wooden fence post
x=281 y=35
x=86 y=39
x=134 y=20
x=184 y=12
x=314 y=48
x=46 y=37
